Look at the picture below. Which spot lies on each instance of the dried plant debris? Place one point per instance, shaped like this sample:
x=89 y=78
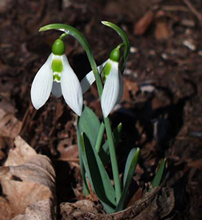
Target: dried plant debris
x=10 y=126
x=28 y=184
x=154 y=205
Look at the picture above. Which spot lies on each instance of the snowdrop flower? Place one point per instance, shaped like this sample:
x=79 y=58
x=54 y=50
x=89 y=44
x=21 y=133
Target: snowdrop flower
x=112 y=79
x=113 y=83
x=58 y=77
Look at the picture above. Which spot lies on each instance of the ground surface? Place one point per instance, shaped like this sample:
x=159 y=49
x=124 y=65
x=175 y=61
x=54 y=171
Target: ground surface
x=161 y=109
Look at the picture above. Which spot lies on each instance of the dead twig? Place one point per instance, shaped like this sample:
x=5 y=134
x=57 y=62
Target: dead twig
x=174 y=8
x=193 y=10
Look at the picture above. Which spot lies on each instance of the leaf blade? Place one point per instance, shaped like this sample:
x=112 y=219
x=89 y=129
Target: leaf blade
x=158 y=177
x=130 y=166
x=97 y=175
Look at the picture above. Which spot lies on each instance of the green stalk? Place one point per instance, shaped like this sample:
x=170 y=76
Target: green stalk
x=76 y=34
x=113 y=158
x=100 y=137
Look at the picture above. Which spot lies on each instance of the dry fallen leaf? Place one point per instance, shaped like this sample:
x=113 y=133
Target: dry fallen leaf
x=161 y=30
x=28 y=184
x=10 y=126
x=154 y=205
x=142 y=25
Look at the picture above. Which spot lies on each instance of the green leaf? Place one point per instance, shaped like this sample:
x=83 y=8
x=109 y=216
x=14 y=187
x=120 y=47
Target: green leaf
x=97 y=175
x=158 y=177
x=86 y=190
x=89 y=124
x=130 y=166
x=129 y=171
x=124 y=38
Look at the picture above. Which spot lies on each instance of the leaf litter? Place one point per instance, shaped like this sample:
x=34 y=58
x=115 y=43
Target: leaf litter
x=28 y=184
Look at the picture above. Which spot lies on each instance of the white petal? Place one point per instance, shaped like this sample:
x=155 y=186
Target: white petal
x=111 y=90
x=56 y=89
x=42 y=84
x=71 y=88
x=89 y=79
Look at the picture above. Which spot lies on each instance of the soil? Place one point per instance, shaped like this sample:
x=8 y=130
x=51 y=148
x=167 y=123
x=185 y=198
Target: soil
x=161 y=109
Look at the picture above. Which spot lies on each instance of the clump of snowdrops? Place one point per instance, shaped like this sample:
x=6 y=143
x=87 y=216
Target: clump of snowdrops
x=96 y=141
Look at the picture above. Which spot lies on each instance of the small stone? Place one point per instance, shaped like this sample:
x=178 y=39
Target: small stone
x=189 y=43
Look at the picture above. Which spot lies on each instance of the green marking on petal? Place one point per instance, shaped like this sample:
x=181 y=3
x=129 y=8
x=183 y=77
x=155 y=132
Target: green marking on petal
x=107 y=70
x=57 y=65
x=56 y=78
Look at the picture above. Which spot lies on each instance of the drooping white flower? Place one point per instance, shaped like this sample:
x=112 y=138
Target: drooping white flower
x=57 y=76
x=112 y=79
x=113 y=88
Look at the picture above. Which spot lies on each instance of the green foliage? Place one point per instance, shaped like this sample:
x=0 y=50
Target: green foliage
x=158 y=177
x=97 y=175
x=89 y=124
x=129 y=171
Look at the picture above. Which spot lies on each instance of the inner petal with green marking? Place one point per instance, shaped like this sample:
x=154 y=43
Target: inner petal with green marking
x=106 y=71
x=57 y=67
x=57 y=77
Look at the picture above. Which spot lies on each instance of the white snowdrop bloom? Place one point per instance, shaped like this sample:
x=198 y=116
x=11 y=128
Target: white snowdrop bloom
x=113 y=88
x=57 y=76
x=112 y=79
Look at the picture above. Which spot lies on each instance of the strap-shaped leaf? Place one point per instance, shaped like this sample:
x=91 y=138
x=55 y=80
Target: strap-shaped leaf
x=89 y=124
x=86 y=123
x=129 y=171
x=97 y=175
x=158 y=177
x=130 y=166
x=86 y=190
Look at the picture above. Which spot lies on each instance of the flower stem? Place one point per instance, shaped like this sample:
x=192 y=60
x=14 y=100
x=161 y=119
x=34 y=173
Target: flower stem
x=100 y=137
x=113 y=158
